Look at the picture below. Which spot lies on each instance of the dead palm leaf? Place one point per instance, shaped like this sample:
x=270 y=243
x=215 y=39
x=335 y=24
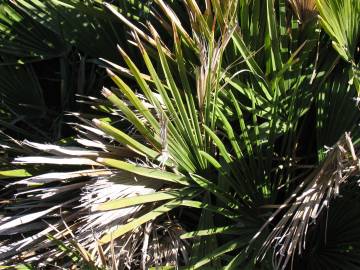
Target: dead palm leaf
x=306 y=203
x=304 y=10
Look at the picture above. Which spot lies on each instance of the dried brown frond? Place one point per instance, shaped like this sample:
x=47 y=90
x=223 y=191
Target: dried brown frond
x=165 y=246
x=208 y=72
x=304 y=10
x=155 y=244
x=307 y=202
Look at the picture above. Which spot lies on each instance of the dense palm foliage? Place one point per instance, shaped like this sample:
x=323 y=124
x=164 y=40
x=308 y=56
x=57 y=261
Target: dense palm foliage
x=228 y=131
x=49 y=53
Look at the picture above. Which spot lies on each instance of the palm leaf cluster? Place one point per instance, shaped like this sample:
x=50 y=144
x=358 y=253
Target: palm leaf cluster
x=220 y=146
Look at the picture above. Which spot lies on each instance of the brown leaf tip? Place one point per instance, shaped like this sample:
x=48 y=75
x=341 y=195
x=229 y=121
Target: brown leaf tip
x=110 y=73
x=96 y=122
x=106 y=92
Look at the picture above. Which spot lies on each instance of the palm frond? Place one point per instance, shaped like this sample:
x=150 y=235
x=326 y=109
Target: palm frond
x=190 y=152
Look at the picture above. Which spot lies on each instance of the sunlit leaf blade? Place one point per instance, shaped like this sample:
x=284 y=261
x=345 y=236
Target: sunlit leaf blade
x=143 y=171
